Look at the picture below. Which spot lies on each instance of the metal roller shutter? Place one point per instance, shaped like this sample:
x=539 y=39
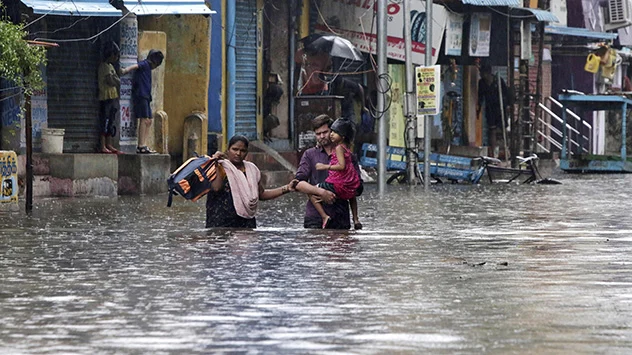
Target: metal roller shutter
x=73 y=102
x=246 y=64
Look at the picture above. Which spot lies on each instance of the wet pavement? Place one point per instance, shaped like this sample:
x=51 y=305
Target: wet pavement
x=461 y=269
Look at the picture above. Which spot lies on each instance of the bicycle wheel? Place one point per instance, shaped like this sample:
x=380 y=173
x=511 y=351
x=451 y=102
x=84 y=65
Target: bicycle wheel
x=397 y=178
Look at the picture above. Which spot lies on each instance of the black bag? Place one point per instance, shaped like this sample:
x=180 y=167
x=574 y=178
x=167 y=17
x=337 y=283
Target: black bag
x=192 y=180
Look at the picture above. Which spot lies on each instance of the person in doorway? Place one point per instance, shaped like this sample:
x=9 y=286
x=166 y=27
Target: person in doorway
x=314 y=63
x=351 y=92
x=627 y=83
x=141 y=96
x=109 y=105
x=237 y=189
x=343 y=179
x=489 y=97
x=366 y=129
x=308 y=177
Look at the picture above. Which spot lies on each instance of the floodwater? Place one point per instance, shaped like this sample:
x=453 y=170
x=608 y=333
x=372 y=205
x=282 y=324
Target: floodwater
x=457 y=270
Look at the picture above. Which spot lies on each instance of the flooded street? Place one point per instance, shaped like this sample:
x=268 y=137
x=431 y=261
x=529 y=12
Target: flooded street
x=460 y=269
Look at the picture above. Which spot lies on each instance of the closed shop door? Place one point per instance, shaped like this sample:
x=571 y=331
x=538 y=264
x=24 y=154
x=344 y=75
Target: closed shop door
x=246 y=68
x=73 y=102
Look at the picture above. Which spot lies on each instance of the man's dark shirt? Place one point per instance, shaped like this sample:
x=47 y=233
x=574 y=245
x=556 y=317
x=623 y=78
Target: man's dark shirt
x=350 y=90
x=488 y=94
x=339 y=210
x=141 y=84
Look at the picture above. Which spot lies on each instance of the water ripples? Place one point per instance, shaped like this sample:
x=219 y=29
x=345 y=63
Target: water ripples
x=458 y=269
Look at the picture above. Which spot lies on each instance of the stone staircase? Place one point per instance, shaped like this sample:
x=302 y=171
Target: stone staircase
x=277 y=168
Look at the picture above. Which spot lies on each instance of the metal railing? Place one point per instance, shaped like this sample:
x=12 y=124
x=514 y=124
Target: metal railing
x=576 y=140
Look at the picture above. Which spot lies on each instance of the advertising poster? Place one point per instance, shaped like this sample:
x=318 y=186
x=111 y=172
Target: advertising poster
x=396 y=119
x=454 y=34
x=480 y=34
x=128 y=123
x=129 y=56
x=428 y=90
x=354 y=20
x=39 y=115
x=8 y=178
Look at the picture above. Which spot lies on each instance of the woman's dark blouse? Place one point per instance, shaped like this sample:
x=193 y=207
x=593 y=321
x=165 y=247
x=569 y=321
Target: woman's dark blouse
x=220 y=210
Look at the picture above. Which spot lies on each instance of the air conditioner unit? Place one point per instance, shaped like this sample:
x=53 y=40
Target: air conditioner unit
x=617 y=14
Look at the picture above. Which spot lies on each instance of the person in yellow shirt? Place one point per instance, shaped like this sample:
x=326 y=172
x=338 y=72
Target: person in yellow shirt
x=109 y=106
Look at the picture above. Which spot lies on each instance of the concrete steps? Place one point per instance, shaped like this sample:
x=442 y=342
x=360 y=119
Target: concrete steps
x=276 y=168
x=110 y=175
x=107 y=175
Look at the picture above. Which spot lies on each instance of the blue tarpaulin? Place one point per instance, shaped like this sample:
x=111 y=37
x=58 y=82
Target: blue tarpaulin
x=104 y=8
x=541 y=15
x=579 y=32
x=72 y=8
x=171 y=7
x=493 y=2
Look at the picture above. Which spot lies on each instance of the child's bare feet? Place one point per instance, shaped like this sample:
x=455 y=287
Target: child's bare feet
x=326 y=221
x=111 y=149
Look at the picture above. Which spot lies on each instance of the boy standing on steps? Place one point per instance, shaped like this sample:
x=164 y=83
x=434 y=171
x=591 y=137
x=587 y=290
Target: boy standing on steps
x=109 y=106
x=141 y=96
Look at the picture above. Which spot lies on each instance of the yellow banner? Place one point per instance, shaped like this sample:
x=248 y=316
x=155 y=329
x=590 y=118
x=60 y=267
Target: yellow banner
x=397 y=122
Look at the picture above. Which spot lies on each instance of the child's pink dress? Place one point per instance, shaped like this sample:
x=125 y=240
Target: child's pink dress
x=347 y=181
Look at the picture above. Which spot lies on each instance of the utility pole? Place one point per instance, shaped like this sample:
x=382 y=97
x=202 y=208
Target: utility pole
x=410 y=106
x=29 y=154
x=381 y=89
x=427 y=119
x=526 y=123
x=543 y=4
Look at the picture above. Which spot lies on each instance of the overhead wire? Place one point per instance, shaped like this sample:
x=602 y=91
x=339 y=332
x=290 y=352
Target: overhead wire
x=11 y=88
x=61 y=29
x=11 y=96
x=94 y=37
x=44 y=15
x=382 y=77
x=320 y=14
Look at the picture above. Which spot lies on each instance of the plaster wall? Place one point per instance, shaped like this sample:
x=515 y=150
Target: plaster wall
x=186 y=70
x=277 y=56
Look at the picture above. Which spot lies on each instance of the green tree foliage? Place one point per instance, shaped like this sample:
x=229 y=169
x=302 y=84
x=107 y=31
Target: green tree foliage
x=19 y=61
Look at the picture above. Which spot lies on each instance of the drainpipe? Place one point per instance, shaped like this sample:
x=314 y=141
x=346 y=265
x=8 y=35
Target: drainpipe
x=29 y=154
x=291 y=66
x=410 y=132
x=428 y=118
x=231 y=66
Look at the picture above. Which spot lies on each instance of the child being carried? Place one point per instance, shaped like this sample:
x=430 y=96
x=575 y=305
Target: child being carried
x=343 y=179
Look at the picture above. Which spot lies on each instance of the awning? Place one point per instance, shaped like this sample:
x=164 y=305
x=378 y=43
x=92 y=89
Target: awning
x=104 y=8
x=168 y=7
x=72 y=8
x=579 y=32
x=493 y=2
x=540 y=15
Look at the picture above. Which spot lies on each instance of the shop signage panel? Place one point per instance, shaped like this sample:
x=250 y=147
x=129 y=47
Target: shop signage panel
x=354 y=20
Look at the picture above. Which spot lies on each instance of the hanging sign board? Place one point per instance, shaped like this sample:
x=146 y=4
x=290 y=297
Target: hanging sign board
x=355 y=21
x=454 y=34
x=525 y=40
x=428 y=90
x=480 y=34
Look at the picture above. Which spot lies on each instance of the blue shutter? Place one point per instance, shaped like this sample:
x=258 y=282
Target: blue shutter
x=246 y=72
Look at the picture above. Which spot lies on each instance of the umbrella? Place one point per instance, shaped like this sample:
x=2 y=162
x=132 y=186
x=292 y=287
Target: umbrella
x=336 y=47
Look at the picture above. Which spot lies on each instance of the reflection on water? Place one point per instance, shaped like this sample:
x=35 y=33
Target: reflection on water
x=466 y=269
